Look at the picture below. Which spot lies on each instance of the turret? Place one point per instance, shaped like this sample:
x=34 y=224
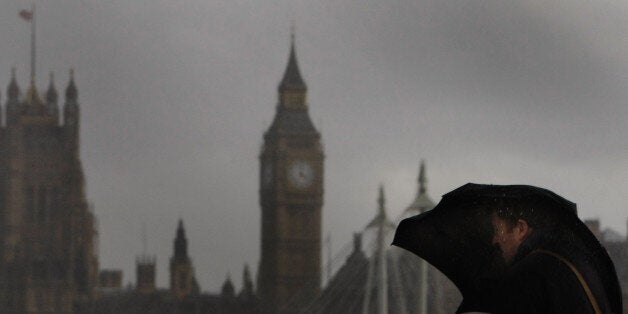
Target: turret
x=381 y=201
x=381 y=218
x=292 y=80
x=422 y=179
x=247 y=284
x=13 y=102
x=71 y=94
x=145 y=274
x=422 y=202
x=71 y=115
x=180 y=244
x=292 y=115
x=292 y=89
x=52 y=106
x=228 y=291
x=182 y=282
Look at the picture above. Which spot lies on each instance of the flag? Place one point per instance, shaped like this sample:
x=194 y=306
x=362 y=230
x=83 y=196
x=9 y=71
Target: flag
x=26 y=15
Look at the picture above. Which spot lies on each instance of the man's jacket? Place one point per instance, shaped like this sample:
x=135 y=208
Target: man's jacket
x=541 y=279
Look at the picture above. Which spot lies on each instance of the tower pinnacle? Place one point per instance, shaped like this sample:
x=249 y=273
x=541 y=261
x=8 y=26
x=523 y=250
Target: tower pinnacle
x=180 y=243
x=182 y=282
x=381 y=200
x=51 y=95
x=71 y=93
x=13 y=91
x=422 y=201
x=381 y=218
x=292 y=79
x=422 y=179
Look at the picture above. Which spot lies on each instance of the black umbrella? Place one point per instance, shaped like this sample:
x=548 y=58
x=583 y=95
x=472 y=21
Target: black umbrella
x=456 y=236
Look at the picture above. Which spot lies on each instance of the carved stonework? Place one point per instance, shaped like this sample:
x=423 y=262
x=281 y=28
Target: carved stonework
x=47 y=233
x=291 y=199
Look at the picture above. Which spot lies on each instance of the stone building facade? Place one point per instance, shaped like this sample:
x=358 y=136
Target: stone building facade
x=291 y=200
x=48 y=260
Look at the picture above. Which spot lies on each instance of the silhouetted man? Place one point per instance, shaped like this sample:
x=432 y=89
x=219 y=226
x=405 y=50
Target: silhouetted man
x=552 y=263
x=545 y=271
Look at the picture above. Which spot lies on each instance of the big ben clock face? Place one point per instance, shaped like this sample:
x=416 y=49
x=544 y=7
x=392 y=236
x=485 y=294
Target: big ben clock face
x=300 y=174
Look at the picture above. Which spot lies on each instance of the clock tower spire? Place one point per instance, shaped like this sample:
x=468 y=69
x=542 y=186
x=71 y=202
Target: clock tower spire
x=291 y=199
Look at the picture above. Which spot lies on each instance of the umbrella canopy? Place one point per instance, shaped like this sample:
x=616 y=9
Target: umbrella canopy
x=456 y=236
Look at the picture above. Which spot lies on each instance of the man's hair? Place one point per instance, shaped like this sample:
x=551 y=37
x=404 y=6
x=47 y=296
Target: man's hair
x=533 y=213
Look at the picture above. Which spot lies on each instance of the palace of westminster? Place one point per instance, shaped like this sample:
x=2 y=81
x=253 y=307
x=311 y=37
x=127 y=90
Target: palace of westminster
x=48 y=262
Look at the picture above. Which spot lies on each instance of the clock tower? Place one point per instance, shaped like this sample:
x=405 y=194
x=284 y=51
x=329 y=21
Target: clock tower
x=291 y=199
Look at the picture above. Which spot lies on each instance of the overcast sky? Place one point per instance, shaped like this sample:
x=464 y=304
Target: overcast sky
x=175 y=98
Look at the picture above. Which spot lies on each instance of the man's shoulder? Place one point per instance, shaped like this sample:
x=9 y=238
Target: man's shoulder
x=541 y=262
x=546 y=276
x=544 y=267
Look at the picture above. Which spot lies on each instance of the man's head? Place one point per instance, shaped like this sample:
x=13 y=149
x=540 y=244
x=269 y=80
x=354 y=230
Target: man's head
x=508 y=235
x=515 y=219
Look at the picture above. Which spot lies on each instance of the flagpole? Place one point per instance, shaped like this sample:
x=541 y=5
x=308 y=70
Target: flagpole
x=33 y=43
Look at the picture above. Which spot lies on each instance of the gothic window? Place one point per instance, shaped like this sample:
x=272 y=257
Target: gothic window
x=28 y=137
x=182 y=280
x=302 y=225
x=65 y=239
x=41 y=204
x=9 y=301
x=39 y=299
x=39 y=270
x=30 y=203
x=59 y=270
x=80 y=270
x=54 y=201
x=2 y=199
